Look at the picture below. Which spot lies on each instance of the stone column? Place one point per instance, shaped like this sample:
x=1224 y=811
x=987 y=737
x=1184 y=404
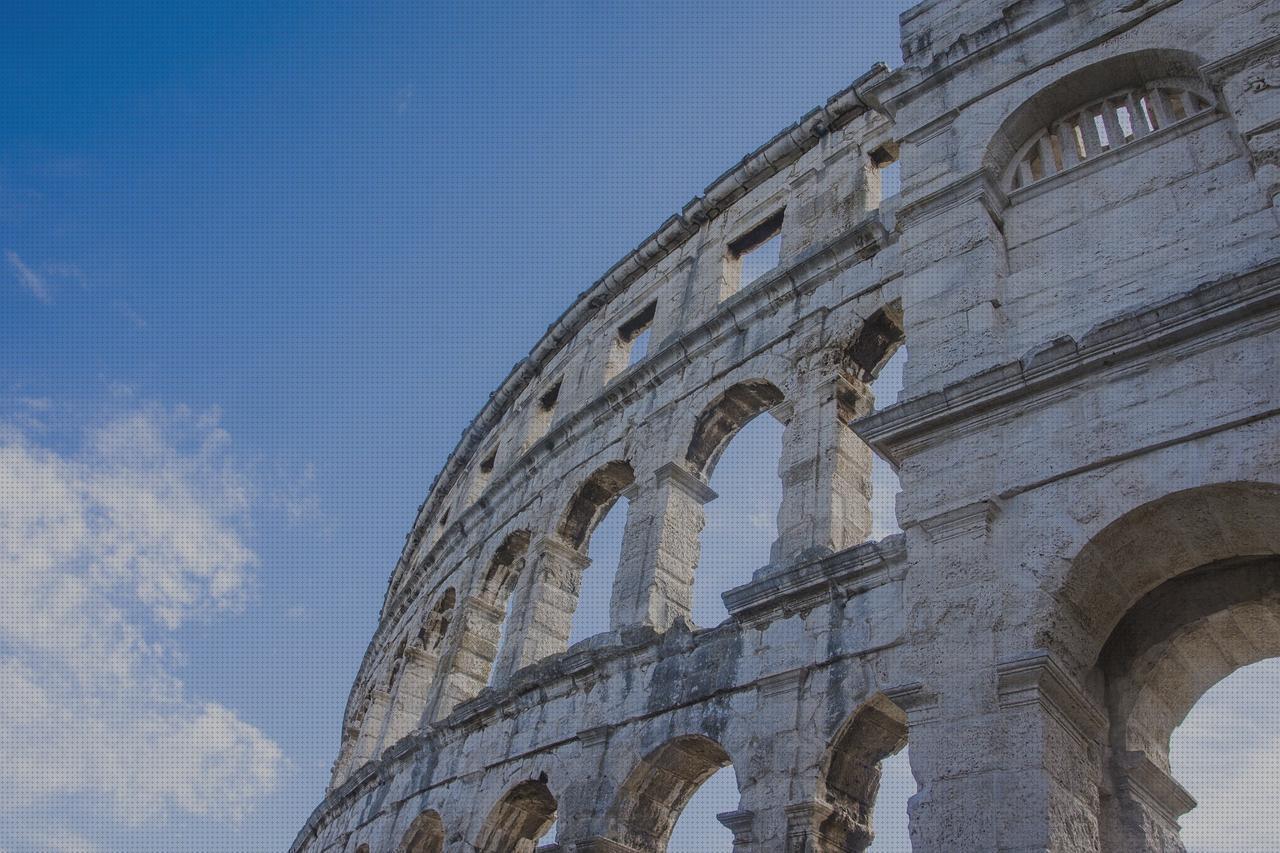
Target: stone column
x=660 y=550
x=410 y=700
x=371 y=727
x=1141 y=810
x=546 y=597
x=476 y=629
x=826 y=471
x=739 y=823
x=1249 y=80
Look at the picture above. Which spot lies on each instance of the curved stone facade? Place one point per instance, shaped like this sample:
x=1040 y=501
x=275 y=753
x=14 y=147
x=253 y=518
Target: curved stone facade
x=1084 y=262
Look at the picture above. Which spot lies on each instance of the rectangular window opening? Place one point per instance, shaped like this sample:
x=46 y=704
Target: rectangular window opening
x=633 y=335
x=755 y=252
x=547 y=402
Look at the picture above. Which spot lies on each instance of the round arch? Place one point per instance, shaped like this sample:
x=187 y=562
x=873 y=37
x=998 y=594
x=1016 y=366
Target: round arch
x=1147 y=546
x=518 y=819
x=592 y=500
x=1076 y=89
x=1160 y=605
x=504 y=567
x=876 y=341
x=424 y=835
x=851 y=770
x=727 y=413
x=656 y=791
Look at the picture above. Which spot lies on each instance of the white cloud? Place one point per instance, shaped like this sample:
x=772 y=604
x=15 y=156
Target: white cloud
x=28 y=277
x=1227 y=755
x=104 y=551
x=65 y=841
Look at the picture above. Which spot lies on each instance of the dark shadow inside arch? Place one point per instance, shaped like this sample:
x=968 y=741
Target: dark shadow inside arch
x=875 y=343
x=726 y=414
x=424 y=835
x=1178 y=642
x=504 y=569
x=852 y=773
x=519 y=819
x=593 y=500
x=658 y=789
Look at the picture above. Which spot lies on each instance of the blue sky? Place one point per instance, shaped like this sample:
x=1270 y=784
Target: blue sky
x=259 y=266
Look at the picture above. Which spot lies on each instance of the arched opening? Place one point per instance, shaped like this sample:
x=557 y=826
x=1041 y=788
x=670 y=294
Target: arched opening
x=424 y=835
x=738 y=452
x=415 y=667
x=1168 y=652
x=877 y=358
x=1054 y=106
x=1226 y=754
x=519 y=819
x=649 y=814
x=724 y=416
x=593 y=523
x=741 y=522
x=866 y=782
x=604 y=550
x=1175 y=595
x=499 y=583
x=593 y=500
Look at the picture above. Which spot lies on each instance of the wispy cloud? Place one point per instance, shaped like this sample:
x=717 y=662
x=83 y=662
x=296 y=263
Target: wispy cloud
x=106 y=550
x=28 y=277
x=123 y=309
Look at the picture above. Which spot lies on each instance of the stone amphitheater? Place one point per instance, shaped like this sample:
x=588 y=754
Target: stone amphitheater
x=1084 y=261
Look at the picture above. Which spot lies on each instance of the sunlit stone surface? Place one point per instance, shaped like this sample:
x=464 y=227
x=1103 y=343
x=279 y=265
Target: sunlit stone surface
x=1082 y=261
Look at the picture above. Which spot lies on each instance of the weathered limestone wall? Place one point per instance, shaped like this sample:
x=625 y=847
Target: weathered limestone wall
x=1087 y=443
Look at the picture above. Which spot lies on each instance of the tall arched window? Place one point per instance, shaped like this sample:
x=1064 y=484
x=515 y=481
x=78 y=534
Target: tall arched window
x=736 y=448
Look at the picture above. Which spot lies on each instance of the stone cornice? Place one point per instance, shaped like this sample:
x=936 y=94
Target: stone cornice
x=1138 y=777
x=805 y=274
x=1038 y=679
x=1239 y=305
x=680 y=478
x=975 y=186
x=1218 y=70
x=778 y=592
x=753 y=170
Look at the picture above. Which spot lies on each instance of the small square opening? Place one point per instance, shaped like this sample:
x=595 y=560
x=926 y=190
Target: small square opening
x=633 y=335
x=547 y=402
x=753 y=254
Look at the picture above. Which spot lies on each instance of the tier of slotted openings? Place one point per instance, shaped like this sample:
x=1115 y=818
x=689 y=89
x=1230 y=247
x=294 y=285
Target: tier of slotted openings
x=1101 y=127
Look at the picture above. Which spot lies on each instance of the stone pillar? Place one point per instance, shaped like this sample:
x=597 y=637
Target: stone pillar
x=1142 y=810
x=826 y=471
x=371 y=727
x=477 y=627
x=660 y=550
x=739 y=822
x=546 y=597
x=1017 y=774
x=410 y=699
x=955 y=263
x=1249 y=80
